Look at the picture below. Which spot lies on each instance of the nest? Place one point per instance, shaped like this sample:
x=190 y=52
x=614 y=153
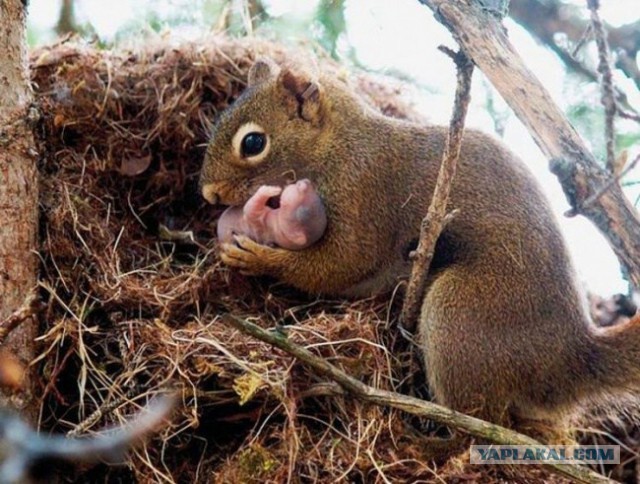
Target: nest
x=135 y=290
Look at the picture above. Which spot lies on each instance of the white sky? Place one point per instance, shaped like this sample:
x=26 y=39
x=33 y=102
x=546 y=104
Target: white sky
x=402 y=36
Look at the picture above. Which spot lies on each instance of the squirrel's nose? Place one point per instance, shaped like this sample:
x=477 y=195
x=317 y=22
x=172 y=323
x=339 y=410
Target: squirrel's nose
x=210 y=194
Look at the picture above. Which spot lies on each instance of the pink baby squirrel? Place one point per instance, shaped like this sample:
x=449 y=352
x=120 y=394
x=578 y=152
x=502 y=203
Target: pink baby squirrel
x=297 y=223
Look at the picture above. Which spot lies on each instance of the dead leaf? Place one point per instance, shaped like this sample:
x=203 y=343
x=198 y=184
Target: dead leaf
x=135 y=166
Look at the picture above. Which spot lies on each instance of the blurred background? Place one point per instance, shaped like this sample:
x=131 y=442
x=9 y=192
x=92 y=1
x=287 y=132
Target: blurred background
x=399 y=39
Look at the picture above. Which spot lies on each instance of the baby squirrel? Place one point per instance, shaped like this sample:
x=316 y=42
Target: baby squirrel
x=504 y=326
x=297 y=222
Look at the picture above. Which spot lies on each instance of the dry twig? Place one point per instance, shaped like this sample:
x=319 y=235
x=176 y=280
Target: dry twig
x=437 y=217
x=616 y=179
x=30 y=307
x=411 y=405
x=604 y=68
x=583 y=40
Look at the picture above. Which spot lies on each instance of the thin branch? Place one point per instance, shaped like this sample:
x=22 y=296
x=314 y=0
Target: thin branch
x=586 y=36
x=628 y=65
x=437 y=217
x=619 y=176
x=604 y=68
x=628 y=115
x=95 y=416
x=414 y=406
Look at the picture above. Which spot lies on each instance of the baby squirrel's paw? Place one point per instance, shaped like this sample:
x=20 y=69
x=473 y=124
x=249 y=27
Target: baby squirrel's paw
x=251 y=257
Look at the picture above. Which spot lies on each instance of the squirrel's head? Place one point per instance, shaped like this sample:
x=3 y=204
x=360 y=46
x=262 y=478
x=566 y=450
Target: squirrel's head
x=266 y=137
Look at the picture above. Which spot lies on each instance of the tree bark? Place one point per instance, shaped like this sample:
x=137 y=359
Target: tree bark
x=18 y=194
x=483 y=39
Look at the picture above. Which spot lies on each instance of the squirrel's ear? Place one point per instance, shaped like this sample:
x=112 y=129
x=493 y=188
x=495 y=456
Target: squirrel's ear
x=262 y=70
x=304 y=92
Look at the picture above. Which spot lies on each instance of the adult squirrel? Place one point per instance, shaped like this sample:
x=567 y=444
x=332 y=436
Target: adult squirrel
x=504 y=326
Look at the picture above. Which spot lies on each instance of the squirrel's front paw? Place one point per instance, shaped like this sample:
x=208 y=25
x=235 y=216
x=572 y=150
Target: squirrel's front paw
x=251 y=257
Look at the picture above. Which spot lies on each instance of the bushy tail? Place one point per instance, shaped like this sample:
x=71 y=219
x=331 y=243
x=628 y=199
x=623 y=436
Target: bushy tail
x=613 y=358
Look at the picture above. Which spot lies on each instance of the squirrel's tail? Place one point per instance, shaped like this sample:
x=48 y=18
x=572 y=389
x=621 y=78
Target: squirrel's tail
x=612 y=355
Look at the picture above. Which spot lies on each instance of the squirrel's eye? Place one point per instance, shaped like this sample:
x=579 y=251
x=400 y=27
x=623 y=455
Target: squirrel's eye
x=250 y=144
x=253 y=144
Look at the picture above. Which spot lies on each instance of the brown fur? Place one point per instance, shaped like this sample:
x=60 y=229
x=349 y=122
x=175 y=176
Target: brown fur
x=504 y=327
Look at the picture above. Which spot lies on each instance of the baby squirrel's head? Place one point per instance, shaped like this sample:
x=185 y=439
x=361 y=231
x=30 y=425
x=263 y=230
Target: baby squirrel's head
x=266 y=137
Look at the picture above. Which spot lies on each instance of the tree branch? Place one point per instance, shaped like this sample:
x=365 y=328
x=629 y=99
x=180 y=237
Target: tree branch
x=604 y=68
x=436 y=218
x=483 y=39
x=411 y=405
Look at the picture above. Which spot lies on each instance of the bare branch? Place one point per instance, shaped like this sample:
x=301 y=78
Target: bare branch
x=411 y=405
x=95 y=416
x=583 y=40
x=436 y=218
x=604 y=68
x=618 y=176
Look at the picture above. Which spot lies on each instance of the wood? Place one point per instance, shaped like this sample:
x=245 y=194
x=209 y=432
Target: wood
x=415 y=406
x=437 y=216
x=18 y=192
x=606 y=82
x=484 y=40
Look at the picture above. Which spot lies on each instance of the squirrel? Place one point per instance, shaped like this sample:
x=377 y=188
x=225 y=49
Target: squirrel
x=504 y=327
x=298 y=220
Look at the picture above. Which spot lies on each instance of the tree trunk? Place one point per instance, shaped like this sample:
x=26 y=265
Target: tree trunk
x=18 y=194
x=66 y=22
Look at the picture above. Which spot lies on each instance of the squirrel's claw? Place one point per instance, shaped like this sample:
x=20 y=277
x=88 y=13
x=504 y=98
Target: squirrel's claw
x=251 y=257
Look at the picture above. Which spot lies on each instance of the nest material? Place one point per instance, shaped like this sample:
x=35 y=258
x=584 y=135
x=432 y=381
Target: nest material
x=135 y=289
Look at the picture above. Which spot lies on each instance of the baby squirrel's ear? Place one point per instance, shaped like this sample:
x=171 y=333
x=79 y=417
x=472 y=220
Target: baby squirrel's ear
x=303 y=93
x=262 y=70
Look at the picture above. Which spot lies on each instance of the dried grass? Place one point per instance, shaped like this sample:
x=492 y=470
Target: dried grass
x=134 y=288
